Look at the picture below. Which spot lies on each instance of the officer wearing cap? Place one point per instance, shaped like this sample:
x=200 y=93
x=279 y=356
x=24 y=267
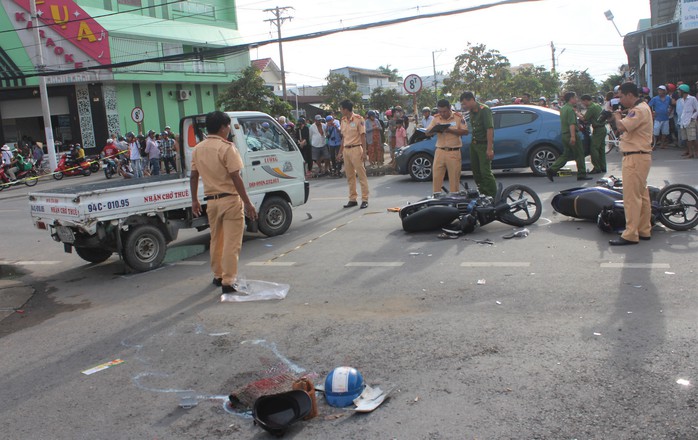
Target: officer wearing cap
x=353 y=151
x=597 y=150
x=482 y=145
x=636 y=147
x=218 y=163
x=571 y=142
x=447 y=157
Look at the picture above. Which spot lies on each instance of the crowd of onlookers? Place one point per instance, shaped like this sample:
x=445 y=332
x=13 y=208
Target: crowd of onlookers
x=142 y=155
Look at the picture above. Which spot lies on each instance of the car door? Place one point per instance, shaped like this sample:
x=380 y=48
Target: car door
x=272 y=159
x=514 y=130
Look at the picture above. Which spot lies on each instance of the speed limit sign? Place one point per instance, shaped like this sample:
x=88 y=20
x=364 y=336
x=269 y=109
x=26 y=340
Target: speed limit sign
x=137 y=115
x=412 y=84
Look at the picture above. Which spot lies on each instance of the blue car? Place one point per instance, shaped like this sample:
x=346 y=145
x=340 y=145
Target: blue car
x=525 y=136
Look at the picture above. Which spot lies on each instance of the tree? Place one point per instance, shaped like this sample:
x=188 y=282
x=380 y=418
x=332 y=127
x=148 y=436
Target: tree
x=393 y=74
x=339 y=88
x=580 y=82
x=426 y=98
x=534 y=80
x=382 y=99
x=613 y=80
x=248 y=92
x=480 y=70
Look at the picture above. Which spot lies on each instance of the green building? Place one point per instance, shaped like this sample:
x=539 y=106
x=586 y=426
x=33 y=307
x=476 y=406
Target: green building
x=88 y=106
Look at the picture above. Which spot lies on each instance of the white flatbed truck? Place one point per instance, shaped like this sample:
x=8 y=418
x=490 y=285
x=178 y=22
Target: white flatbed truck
x=136 y=218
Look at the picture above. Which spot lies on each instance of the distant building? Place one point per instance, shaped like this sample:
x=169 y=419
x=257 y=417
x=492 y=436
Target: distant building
x=367 y=79
x=88 y=105
x=270 y=73
x=664 y=49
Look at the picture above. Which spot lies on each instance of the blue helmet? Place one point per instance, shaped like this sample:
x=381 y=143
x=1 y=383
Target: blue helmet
x=342 y=386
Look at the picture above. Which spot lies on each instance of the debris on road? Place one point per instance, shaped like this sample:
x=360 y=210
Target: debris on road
x=683 y=382
x=521 y=233
x=255 y=290
x=103 y=366
x=481 y=282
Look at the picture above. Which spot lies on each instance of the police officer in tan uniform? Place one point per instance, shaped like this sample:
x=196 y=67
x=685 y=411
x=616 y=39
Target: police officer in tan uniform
x=353 y=150
x=636 y=147
x=218 y=163
x=447 y=157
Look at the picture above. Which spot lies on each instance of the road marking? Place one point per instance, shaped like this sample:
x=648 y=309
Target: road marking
x=271 y=263
x=189 y=263
x=495 y=264
x=635 y=265
x=34 y=263
x=375 y=264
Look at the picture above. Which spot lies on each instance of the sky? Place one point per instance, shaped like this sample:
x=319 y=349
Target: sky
x=582 y=35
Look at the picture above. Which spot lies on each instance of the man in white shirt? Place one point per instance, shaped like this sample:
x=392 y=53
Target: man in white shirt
x=426 y=117
x=689 y=115
x=321 y=154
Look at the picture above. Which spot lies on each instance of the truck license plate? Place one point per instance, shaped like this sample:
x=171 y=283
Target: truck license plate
x=65 y=234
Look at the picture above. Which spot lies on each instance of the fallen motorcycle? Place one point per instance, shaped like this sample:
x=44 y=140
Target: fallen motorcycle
x=675 y=206
x=516 y=205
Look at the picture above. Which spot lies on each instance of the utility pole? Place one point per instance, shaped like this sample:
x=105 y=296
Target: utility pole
x=40 y=67
x=433 y=60
x=278 y=20
x=552 y=49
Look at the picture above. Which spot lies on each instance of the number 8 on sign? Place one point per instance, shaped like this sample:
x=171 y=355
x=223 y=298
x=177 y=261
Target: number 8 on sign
x=412 y=84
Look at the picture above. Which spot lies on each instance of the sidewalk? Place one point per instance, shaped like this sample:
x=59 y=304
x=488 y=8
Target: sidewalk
x=13 y=294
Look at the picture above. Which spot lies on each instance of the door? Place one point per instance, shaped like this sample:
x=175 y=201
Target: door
x=514 y=130
x=272 y=159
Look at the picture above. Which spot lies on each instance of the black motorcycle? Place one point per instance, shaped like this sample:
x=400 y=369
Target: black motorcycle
x=675 y=206
x=110 y=169
x=516 y=205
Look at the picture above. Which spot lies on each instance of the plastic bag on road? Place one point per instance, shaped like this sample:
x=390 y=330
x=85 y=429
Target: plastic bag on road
x=256 y=290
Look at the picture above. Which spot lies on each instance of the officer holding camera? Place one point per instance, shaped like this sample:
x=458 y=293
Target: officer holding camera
x=636 y=147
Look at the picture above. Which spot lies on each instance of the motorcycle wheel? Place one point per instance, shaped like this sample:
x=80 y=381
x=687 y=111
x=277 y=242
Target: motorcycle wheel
x=678 y=207
x=58 y=175
x=521 y=215
x=430 y=218
x=108 y=173
x=86 y=172
x=94 y=167
x=32 y=178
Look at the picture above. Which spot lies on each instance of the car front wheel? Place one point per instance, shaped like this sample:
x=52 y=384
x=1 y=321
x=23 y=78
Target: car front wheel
x=420 y=167
x=541 y=159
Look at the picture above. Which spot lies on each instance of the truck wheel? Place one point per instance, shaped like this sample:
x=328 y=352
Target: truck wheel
x=144 y=248
x=275 y=216
x=93 y=255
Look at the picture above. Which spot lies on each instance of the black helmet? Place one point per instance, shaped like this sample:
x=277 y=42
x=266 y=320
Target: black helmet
x=277 y=412
x=130 y=135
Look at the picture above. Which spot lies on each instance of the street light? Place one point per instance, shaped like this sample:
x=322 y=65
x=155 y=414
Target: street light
x=609 y=17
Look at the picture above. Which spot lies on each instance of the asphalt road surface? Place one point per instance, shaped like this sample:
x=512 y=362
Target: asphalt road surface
x=553 y=336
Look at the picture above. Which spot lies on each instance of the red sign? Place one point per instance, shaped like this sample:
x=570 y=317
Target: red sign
x=72 y=23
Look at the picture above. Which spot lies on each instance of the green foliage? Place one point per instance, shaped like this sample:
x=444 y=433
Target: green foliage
x=382 y=99
x=580 y=82
x=393 y=74
x=609 y=83
x=426 y=98
x=339 y=88
x=480 y=70
x=536 y=80
x=249 y=93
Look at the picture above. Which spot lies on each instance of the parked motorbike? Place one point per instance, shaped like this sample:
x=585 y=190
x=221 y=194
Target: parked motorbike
x=110 y=169
x=29 y=178
x=64 y=169
x=95 y=164
x=516 y=205
x=675 y=206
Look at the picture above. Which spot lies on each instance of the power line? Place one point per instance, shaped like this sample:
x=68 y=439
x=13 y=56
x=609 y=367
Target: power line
x=229 y=50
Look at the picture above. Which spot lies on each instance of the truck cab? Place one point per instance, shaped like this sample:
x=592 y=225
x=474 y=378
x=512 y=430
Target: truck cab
x=273 y=170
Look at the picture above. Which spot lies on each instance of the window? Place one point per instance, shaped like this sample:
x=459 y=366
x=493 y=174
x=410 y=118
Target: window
x=262 y=134
x=194 y=9
x=511 y=119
